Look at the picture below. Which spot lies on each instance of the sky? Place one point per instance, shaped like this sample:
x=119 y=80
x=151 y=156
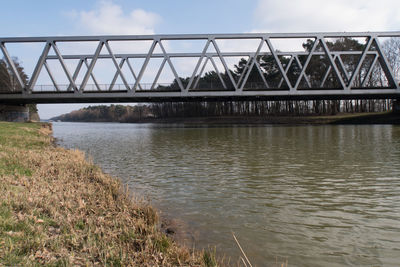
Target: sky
x=107 y=17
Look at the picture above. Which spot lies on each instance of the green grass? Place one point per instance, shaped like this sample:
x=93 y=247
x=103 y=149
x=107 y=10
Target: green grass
x=21 y=135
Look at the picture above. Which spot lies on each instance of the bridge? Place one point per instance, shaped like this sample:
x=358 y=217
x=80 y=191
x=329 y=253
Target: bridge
x=268 y=66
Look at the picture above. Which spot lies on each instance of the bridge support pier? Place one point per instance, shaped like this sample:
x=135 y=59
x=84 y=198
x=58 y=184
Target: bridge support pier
x=14 y=113
x=396 y=106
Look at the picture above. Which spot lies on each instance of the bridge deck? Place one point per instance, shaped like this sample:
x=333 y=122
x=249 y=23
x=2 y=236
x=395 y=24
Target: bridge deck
x=121 y=96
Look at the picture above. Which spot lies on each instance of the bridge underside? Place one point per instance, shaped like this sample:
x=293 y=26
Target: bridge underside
x=115 y=97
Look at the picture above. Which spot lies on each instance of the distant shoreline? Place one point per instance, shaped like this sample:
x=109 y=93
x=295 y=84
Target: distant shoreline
x=353 y=118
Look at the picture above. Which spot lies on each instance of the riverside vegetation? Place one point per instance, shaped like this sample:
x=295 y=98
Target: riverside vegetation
x=58 y=209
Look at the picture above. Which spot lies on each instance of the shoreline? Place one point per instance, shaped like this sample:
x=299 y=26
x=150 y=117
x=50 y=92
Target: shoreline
x=61 y=209
x=344 y=118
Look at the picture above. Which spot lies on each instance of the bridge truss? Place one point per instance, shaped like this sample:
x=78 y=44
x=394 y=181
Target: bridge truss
x=320 y=69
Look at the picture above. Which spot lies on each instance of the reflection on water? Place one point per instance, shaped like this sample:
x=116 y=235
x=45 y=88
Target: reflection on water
x=311 y=194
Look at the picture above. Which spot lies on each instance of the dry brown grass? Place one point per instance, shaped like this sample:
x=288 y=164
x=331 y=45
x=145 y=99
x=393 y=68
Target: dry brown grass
x=58 y=209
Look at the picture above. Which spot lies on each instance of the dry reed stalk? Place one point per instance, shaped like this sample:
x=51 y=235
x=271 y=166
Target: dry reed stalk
x=244 y=254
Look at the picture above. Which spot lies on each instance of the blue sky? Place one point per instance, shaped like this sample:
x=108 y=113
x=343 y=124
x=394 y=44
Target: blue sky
x=45 y=17
x=93 y=17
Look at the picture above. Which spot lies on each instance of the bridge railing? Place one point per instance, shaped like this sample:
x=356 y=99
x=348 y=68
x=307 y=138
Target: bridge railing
x=148 y=87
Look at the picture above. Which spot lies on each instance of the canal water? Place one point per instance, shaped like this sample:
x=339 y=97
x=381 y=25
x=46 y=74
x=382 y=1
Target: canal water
x=308 y=195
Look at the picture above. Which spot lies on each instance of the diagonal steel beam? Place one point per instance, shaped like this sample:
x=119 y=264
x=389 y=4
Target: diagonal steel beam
x=343 y=68
x=158 y=74
x=261 y=74
x=64 y=66
x=287 y=69
x=91 y=66
x=333 y=64
x=133 y=73
x=227 y=70
x=121 y=64
x=76 y=72
x=367 y=76
x=254 y=60
x=92 y=75
x=279 y=63
x=10 y=63
x=218 y=73
x=360 y=62
x=39 y=66
x=244 y=72
x=304 y=67
x=201 y=73
x=166 y=56
x=386 y=66
x=51 y=76
x=119 y=71
x=145 y=63
x=198 y=65
x=305 y=74
x=327 y=73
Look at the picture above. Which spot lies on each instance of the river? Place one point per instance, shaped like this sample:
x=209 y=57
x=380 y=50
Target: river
x=308 y=195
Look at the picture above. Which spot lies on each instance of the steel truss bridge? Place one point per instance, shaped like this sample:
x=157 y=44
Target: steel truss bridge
x=340 y=80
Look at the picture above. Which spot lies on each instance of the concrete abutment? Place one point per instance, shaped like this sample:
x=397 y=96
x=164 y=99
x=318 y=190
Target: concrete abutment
x=14 y=113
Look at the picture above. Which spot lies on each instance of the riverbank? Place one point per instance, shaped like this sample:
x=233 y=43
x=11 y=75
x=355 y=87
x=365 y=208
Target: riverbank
x=343 y=118
x=356 y=118
x=59 y=209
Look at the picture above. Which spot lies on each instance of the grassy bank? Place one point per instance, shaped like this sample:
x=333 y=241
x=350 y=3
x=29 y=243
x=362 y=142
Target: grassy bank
x=58 y=209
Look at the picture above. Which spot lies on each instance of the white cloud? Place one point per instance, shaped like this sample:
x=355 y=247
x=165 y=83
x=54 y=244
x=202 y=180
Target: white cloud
x=109 y=18
x=333 y=15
